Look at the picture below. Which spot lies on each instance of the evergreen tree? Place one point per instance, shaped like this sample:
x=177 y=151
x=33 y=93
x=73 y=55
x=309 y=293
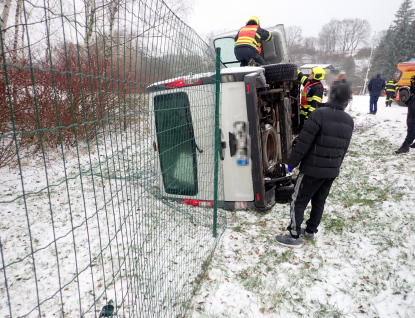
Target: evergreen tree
x=405 y=14
x=398 y=43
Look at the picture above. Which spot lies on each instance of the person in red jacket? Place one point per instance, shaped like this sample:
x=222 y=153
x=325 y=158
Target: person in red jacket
x=248 y=45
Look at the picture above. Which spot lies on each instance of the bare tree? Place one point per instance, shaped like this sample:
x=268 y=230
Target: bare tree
x=5 y=16
x=293 y=35
x=182 y=8
x=352 y=33
x=328 y=36
x=18 y=20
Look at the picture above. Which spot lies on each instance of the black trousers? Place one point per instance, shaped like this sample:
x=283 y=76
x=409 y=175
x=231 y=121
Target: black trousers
x=410 y=131
x=308 y=188
x=390 y=97
x=245 y=53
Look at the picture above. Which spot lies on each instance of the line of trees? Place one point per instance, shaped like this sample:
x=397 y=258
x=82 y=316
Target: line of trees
x=336 y=38
x=66 y=76
x=342 y=42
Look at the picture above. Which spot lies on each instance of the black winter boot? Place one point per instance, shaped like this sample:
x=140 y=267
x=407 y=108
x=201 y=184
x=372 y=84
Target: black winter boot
x=403 y=149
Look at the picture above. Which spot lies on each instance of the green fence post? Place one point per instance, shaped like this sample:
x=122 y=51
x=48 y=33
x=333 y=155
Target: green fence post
x=217 y=136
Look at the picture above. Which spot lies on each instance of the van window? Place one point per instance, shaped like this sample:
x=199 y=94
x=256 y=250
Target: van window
x=227 y=55
x=176 y=143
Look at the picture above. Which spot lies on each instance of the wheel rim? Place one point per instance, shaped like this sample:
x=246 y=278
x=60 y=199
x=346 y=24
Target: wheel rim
x=269 y=146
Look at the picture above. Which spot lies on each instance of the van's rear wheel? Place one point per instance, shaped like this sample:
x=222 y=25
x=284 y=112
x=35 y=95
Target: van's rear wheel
x=269 y=148
x=280 y=72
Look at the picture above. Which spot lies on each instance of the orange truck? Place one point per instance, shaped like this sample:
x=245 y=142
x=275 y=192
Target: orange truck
x=403 y=74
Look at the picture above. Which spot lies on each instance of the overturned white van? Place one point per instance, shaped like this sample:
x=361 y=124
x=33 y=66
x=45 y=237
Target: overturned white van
x=259 y=117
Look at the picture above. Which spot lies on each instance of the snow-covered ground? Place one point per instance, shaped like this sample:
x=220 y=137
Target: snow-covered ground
x=361 y=263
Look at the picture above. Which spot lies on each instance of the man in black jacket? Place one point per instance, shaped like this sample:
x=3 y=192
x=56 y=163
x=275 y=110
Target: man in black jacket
x=410 y=121
x=320 y=148
x=375 y=87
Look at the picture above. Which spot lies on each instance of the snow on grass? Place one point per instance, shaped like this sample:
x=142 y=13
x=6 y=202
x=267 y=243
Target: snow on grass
x=361 y=263
x=88 y=225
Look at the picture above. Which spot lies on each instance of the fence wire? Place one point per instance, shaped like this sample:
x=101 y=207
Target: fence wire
x=85 y=228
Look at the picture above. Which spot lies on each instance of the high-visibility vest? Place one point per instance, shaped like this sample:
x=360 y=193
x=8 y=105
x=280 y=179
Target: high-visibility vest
x=306 y=101
x=247 y=35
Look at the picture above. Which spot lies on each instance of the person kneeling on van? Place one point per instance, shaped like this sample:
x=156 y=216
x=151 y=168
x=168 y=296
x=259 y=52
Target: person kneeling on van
x=247 y=43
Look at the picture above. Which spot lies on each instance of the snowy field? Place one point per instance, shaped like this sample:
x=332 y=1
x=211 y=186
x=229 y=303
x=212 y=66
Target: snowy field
x=81 y=229
x=361 y=263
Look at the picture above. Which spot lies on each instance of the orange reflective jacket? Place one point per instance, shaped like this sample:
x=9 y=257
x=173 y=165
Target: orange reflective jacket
x=247 y=36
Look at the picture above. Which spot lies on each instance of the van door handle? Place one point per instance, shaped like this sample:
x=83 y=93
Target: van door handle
x=222 y=146
x=232 y=144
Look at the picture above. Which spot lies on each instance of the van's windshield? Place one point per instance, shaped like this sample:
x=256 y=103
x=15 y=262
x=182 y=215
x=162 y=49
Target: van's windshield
x=227 y=54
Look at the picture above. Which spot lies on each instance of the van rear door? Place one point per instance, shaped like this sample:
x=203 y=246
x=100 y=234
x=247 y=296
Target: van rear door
x=176 y=143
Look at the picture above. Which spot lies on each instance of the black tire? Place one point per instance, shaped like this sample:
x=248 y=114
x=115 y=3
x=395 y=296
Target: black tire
x=284 y=194
x=280 y=72
x=269 y=149
x=403 y=96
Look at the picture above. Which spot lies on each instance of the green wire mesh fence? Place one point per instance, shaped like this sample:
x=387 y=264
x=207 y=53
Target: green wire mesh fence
x=96 y=169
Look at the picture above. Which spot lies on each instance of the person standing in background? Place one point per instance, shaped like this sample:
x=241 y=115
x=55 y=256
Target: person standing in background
x=341 y=77
x=376 y=86
x=391 y=88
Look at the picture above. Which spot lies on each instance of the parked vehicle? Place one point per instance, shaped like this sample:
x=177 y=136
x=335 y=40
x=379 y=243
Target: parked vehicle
x=403 y=74
x=259 y=109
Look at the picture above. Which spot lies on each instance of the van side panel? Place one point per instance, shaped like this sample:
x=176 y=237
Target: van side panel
x=233 y=110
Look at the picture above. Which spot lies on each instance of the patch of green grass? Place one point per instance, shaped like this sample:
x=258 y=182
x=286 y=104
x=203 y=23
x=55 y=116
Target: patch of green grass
x=334 y=224
x=286 y=256
x=328 y=311
x=250 y=279
x=238 y=228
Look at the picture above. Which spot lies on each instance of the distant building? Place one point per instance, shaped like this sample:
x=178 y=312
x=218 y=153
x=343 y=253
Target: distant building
x=330 y=69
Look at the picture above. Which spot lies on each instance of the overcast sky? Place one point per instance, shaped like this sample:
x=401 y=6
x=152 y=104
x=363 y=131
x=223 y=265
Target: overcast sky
x=228 y=15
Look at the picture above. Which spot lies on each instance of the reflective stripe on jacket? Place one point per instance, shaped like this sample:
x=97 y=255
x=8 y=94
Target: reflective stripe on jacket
x=248 y=36
x=312 y=94
x=391 y=86
x=306 y=98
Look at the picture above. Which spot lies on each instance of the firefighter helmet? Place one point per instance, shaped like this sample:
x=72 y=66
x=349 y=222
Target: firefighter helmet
x=253 y=19
x=319 y=73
